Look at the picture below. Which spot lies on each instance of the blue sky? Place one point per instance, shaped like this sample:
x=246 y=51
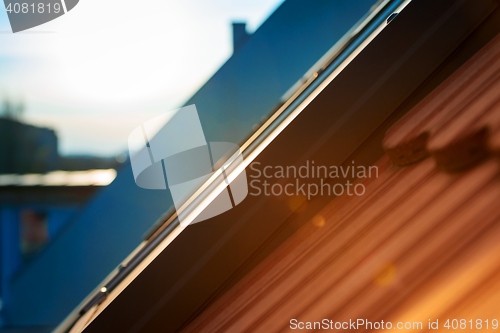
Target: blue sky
x=97 y=72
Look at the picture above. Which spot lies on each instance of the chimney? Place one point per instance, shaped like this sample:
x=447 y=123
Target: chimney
x=240 y=35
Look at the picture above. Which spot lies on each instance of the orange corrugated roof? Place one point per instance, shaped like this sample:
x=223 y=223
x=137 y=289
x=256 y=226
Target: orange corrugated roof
x=455 y=122
x=420 y=244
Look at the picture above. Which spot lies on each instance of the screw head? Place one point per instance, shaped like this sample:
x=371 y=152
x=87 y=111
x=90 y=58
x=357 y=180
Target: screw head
x=391 y=17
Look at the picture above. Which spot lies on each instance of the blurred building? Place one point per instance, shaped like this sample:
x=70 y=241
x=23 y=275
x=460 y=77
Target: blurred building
x=38 y=198
x=27 y=149
x=34 y=211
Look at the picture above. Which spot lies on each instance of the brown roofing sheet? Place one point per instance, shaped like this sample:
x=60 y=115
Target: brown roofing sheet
x=373 y=255
x=419 y=244
x=457 y=120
